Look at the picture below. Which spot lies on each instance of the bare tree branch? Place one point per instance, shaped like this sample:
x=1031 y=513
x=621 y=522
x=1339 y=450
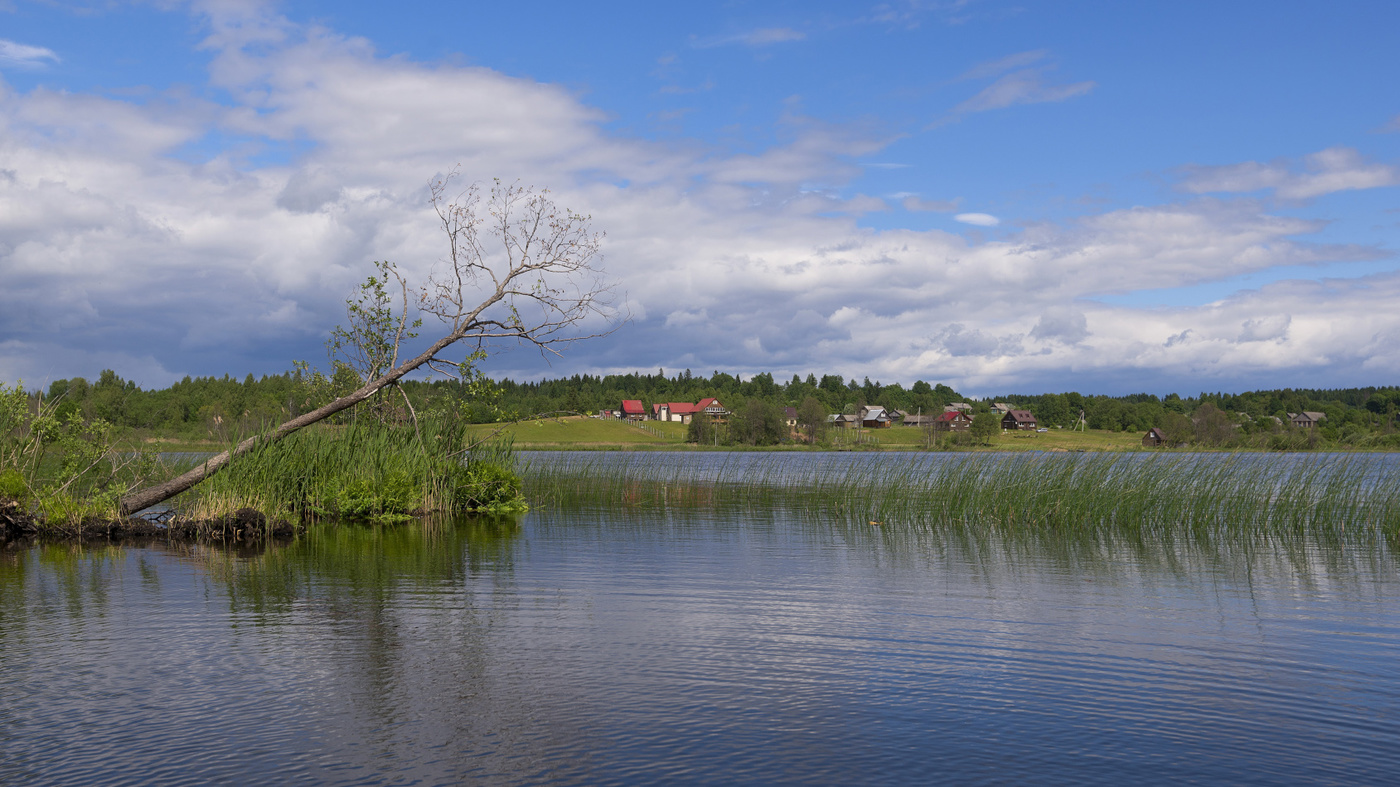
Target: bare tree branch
x=518 y=267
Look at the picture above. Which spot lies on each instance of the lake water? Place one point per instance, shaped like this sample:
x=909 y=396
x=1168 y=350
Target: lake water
x=597 y=647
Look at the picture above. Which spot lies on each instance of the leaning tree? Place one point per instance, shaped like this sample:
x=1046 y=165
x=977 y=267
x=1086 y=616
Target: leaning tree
x=518 y=267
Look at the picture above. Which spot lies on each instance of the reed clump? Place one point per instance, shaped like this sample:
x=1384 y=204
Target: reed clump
x=1133 y=491
x=363 y=471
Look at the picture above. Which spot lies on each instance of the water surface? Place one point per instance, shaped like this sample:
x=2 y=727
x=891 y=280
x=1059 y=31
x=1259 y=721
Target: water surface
x=608 y=647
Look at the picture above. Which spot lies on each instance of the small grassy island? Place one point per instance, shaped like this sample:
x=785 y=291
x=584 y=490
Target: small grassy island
x=65 y=477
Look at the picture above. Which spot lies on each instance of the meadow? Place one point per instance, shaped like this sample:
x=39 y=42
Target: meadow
x=582 y=433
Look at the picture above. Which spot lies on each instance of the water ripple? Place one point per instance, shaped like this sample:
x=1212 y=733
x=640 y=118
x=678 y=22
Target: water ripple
x=578 y=650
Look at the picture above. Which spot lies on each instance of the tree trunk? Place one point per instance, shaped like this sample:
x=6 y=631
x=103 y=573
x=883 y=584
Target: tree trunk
x=145 y=498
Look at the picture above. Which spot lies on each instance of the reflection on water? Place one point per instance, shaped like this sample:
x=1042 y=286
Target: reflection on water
x=700 y=647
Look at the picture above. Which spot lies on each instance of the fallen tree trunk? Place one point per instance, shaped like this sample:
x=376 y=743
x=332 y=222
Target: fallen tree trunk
x=145 y=498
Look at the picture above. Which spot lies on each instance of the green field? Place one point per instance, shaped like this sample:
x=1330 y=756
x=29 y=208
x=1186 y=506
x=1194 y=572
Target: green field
x=579 y=433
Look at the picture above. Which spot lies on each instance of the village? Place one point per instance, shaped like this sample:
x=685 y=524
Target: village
x=956 y=417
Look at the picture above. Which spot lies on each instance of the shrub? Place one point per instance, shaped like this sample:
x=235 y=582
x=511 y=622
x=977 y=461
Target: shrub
x=12 y=486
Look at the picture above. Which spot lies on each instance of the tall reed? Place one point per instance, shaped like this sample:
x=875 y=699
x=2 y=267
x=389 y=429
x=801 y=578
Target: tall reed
x=1129 y=491
x=363 y=470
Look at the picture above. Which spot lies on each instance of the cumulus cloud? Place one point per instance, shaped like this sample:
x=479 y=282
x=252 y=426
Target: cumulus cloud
x=1262 y=329
x=958 y=340
x=24 y=55
x=1061 y=324
x=978 y=219
x=1325 y=172
x=109 y=241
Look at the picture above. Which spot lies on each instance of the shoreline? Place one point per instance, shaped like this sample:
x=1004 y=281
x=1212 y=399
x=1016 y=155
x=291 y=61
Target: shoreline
x=245 y=525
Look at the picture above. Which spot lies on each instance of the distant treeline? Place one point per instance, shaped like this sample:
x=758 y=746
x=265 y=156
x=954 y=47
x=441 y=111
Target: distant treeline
x=224 y=406
x=1361 y=407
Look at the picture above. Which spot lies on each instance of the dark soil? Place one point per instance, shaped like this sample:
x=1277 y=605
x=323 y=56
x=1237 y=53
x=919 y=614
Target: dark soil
x=245 y=524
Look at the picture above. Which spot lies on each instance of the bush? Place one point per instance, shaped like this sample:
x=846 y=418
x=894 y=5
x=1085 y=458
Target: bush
x=484 y=485
x=12 y=486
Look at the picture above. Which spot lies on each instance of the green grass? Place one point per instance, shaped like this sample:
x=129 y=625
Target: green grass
x=580 y=433
x=363 y=471
x=584 y=433
x=1145 y=492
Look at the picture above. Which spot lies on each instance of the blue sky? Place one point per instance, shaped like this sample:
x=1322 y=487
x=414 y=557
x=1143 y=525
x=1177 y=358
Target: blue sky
x=1000 y=196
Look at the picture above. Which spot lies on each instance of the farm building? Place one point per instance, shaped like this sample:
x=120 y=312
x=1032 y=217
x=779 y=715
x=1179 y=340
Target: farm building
x=1154 y=438
x=684 y=412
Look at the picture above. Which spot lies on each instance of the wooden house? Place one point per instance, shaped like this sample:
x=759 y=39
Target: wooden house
x=956 y=421
x=632 y=410
x=1154 y=438
x=875 y=417
x=1018 y=419
x=1306 y=419
x=842 y=421
x=684 y=412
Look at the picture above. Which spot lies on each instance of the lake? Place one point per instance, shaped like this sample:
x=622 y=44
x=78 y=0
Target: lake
x=608 y=645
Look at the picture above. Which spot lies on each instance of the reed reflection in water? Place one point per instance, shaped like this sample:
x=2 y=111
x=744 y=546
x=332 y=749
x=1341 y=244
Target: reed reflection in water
x=703 y=645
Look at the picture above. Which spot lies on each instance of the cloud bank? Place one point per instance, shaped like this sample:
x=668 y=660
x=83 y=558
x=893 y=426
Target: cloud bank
x=119 y=247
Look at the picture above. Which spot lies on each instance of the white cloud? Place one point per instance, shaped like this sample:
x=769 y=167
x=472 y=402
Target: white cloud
x=1325 y=172
x=1262 y=329
x=1062 y=324
x=978 y=219
x=1027 y=86
x=109 y=243
x=25 y=55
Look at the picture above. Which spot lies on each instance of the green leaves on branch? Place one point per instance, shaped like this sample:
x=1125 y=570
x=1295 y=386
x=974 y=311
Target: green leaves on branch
x=369 y=342
x=67 y=467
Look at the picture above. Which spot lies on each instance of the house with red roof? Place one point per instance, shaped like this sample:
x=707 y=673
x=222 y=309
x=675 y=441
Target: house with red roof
x=632 y=410
x=952 y=421
x=684 y=412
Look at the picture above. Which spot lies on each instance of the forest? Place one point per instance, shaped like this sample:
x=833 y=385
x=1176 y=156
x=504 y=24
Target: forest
x=221 y=408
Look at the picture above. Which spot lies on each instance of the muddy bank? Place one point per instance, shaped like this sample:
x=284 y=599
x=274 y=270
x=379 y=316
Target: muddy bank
x=245 y=524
